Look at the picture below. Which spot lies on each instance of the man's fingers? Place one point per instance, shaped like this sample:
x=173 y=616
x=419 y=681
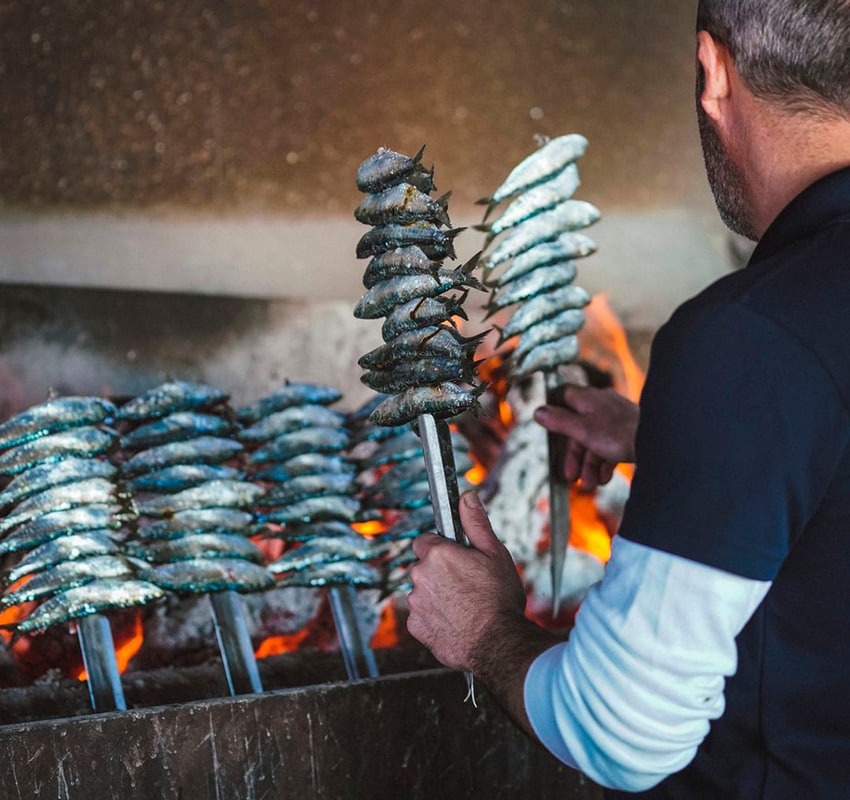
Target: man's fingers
x=606 y=472
x=590 y=472
x=573 y=460
x=561 y=420
x=476 y=524
x=425 y=542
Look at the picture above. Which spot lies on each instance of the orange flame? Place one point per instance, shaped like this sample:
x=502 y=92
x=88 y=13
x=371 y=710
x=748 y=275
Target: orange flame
x=387 y=632
x=370 y=528
x=284 y=643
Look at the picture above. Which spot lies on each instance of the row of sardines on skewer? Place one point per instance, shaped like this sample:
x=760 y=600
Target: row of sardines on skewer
x=106 y=506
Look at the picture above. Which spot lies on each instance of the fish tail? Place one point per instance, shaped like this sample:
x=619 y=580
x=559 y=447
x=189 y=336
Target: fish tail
x=442 y=209
x=470 y=265
x=418 y=157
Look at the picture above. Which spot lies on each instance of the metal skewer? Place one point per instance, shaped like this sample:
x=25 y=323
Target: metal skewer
x=237 y=654
x=559 y=497
x=98 y=649
x=356 y=653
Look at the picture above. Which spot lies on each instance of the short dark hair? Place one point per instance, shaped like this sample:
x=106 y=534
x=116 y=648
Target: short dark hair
x=795 y=52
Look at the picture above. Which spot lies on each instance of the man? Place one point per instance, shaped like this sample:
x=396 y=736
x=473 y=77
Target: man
x=711 y=660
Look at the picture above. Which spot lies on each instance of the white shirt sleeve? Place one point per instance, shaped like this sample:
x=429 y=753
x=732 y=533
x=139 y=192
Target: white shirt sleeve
x=628 y=699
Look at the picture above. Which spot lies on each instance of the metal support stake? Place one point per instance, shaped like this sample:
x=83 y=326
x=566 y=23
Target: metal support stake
x=237 y=654
x=356 y=653
x=559 y=497
x=98 y=651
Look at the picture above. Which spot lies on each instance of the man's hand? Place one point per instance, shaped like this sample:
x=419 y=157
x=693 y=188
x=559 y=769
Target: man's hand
x=600 y=426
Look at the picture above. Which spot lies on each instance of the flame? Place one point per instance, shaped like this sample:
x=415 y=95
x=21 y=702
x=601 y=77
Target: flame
x=284 y=643
x=587 y=531
x=370 y=528
x=387 y=632
x=476 y=473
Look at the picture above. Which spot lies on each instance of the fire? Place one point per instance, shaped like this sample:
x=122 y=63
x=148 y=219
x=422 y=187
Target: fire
x=387 y=632
x=284 y=643
x=370 y=528
x=125 y=651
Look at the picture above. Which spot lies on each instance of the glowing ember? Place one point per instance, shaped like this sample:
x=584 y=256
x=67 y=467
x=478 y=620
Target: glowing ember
x=371 y=528
x=284 y=643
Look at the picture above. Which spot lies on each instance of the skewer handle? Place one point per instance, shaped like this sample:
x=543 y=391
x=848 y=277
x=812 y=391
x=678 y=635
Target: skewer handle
x=237 y=654
x=442 y=475
x=559 y=497
x=356 y=653
x=98 y=649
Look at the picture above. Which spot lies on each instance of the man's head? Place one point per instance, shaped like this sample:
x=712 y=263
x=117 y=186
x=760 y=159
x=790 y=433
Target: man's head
x=790 y=57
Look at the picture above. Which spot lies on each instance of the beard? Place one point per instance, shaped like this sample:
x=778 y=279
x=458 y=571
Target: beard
x=725 y=177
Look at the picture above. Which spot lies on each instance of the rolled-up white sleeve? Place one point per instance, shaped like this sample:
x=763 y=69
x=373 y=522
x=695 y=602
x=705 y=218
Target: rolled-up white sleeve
x=629 y=698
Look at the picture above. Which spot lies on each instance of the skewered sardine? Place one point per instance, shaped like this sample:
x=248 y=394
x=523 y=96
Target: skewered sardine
x=315 y=509
x=307 y=486
x=170 y=398
x=202 y=575
x=292 y=419
x=60 y=473
x=61 y=523
x=402 y=203
x=198 y=545
x=203 y=450
x=445 y=400
x=204 y=520
x=422 y=313
x=387 y=168
x=66 y=548
x=336 y=573
x=213 y=494
x=183 y=476
x=293 y=394
x=52 y=417
x=305 y=464
x=308 y=440
x=434 y=242
x=326 y=550
x=83 y=441
x=176 y=428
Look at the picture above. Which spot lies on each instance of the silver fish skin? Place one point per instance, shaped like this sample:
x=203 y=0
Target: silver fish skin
x=199 y=545
x=564 y=324
x=292 y=394
x=91 y=598
x=422 y=313
x=399 y=449
x=169 y=398
x=373 y=433
x=292 y=419
x=52 y=417
x=540 y=166
x=315 y=509
x=409 y=498
x=61 y=523
x=176 y=427
x=446 y=400
x=388 y=294
x=401 y=261
x=201 y=575
x=542 y=197
x=434 y=242
x=306 y=464
x=399 y=476
x=308 y=440
x=387 y=168
x=307 y=531
x=419 y=521
x=213 y=494
x=308 y=486
x=64 y=549
x=203 y=450
x=566 y=247
x=545 y=227
x=401 y=204
x=67 y=575
x=336 y=573
x=60 y=473
x=543 y=307
x=326 y=550
x=204 y=520
x=541 y=280
x=77 y=442
x=547 y=357
x=434 y=341
x=61 y=498
x=421 y=372
x=183 y=476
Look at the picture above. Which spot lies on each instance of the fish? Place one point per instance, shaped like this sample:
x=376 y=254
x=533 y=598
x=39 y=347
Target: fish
x=421 y=372
x=203 y=450
x=292 y=394
x=315 y=509
x=543 y=307
x=566 y=247
x=292 y=419
x=547 y=357
x=307 y=486
x=434 y=242
x=383 y=297
x=446 y=400
x=54 y=416
x=61 y=523
x=182 y=476
x=198 y=545
x=429 y=342
x=202 y=575
x=401 y=448
x=308 y=440
x=202 y=520
x=423 y=312
x=337 y=573
x=399 y=476
x=401 y=261
x=91 y=598
x=307 y=531
x=326 y=550
x=66 y=548
x=306 y=464
x=76 y=442
x=545 y=227
x=387 y=168
x=417 y=522
x=61 y=498
x=564 y=324
x=540 y=166
x=59 y=473
x=533 y=284
x=401 y=204
x=169 y=398
x=176 y=427
x=407 y=498
x=542 y=197
x=213 y=494
x=374 y=433
x=67 y=575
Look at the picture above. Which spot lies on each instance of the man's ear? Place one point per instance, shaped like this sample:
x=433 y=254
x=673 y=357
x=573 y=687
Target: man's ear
x=715 y=61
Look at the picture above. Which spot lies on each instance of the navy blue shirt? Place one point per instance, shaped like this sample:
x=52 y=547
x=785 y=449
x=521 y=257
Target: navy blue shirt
x=743 y=463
